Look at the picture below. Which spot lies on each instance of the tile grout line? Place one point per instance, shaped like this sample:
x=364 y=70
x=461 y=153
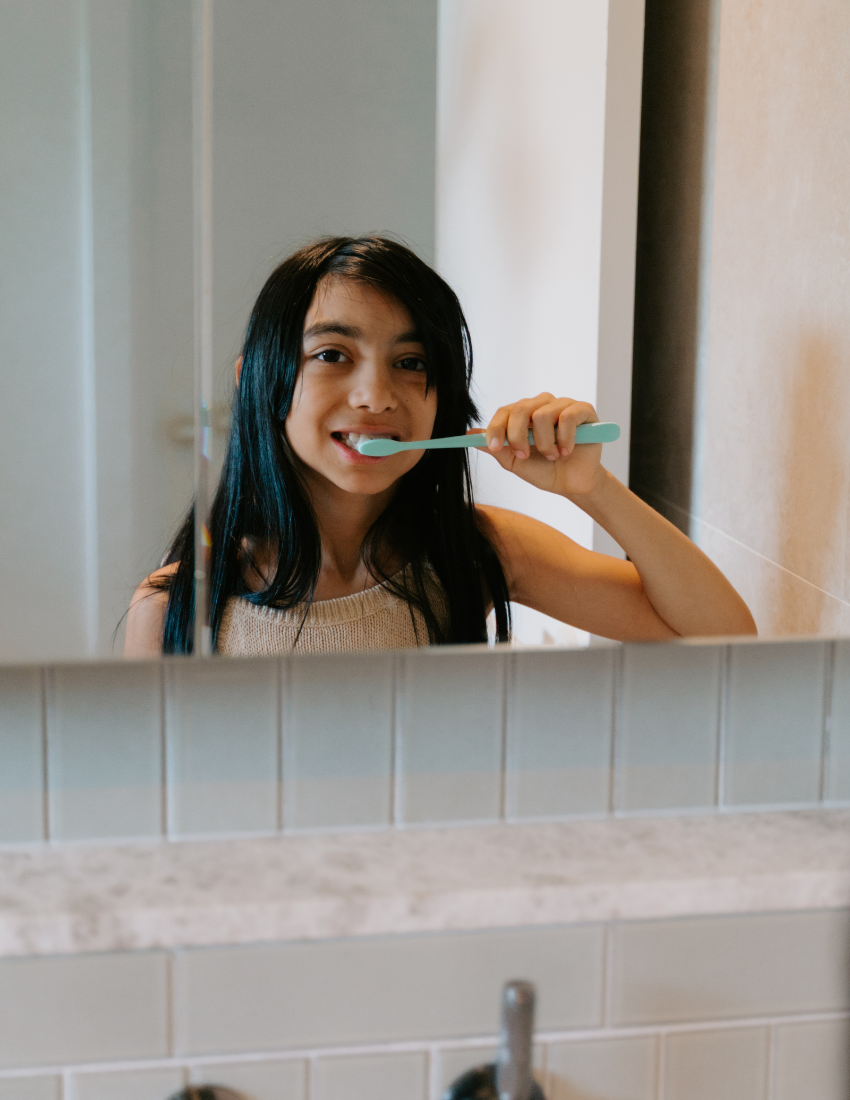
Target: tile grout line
x=284 y=685
x=433 y=1073
x=391 y=809
x=722 y=726
x=770 y=1069
x=176 y=1005
x=607 y=973
x=420 y=1046
x=168 y=690
x=661 y=1066
x=309 y=1076
x=43 y=683
x=826 y=733
x=507 y=689
x=163 y=758
x=399 y=677
x=617 y=673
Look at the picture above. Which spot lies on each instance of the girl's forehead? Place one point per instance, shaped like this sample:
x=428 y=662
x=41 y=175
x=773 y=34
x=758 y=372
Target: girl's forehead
x=356 y=304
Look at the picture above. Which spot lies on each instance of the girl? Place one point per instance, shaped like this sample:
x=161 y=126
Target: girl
x=318 y=548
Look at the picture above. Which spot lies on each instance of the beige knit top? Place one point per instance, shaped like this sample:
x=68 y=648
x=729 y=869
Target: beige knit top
x=373 y=619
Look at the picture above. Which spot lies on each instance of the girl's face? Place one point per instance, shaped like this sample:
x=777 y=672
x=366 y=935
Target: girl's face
x=362 y=373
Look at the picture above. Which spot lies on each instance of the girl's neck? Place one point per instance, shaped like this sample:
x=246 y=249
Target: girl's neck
x=344 y=520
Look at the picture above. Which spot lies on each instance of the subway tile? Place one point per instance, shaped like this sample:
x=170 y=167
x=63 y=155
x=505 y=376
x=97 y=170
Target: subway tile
x=337 y=741
x=616 y=1069
x=668 y=727
x=812 y=1060
x=31 y=1088
x=370 y=1077
x=775 y=722
x=222 y=737
x=272 y=1080
x=838 y=774
x=84 y=1008
x=142 y=1084
x=104 y=738
x=711 y=968
x=454 y=1063
x=328 y=993
x=450 y=736
x=21 y=756
x=710 y=1065
x=559 y=733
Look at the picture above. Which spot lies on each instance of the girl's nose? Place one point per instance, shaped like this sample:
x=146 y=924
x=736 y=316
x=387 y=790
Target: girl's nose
x=372 y=390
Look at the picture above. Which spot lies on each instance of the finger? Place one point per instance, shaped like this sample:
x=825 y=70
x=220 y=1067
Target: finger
x=497 y=429
x=543 y=424
x=519 y=423
x=573 y=414
x=567 y=424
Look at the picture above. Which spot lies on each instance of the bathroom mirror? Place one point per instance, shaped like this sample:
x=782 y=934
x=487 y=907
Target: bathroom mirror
x=434 y=120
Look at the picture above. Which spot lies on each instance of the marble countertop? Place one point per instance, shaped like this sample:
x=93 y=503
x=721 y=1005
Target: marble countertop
x=192 y=893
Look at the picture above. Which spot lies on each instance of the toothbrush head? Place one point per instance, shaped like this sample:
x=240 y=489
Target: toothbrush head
x=379 y=448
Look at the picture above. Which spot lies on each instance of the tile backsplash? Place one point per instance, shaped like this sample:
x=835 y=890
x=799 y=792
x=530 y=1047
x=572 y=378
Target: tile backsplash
x=183 y=748
x=746 y=1007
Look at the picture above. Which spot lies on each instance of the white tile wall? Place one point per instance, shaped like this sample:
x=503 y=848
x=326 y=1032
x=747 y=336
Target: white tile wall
x=812 y=1060
x=451 y=733
x=731 y=1006
x=285 y=996
x=222 y=732
x=774 y=723
x=617 y=1069
x=375 y=740
x=709 y=1065
x=370 y=1077
x=85 y=1008
x=338 y=741
x=260 y=1080
x=140 y=1084
x=21 y=756
x=559 y=733
x=667 y=733
x=838 y=771
x=31 y=1088
x=709 y=968
x=105 y=751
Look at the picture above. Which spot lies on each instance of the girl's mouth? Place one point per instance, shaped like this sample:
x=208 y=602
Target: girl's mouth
x=347 y=444
x=351 y=439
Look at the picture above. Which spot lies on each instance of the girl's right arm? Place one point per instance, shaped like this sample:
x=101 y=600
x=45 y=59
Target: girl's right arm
x=146 y=617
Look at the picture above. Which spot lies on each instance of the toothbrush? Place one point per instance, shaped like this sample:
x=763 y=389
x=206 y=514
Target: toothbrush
x=605 y=432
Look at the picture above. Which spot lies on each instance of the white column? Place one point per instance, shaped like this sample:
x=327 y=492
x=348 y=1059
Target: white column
x=522 y=202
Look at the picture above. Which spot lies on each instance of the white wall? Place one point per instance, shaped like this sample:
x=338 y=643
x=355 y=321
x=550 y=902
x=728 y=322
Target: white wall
x=538 y=136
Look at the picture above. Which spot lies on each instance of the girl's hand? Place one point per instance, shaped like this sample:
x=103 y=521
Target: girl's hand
x=554 y=463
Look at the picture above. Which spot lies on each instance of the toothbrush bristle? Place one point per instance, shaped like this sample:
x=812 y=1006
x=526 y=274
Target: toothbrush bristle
x=377 y=448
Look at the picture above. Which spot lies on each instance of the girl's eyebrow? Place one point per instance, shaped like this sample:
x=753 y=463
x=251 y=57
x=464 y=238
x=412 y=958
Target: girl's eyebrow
x=332 y=328
x=336 y=328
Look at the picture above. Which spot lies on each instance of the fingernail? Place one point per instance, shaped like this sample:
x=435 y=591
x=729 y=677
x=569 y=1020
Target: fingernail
x=552 y=458
x=494 y=445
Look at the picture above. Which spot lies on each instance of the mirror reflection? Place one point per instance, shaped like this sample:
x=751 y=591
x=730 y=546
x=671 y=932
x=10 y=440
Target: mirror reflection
x=430 y=125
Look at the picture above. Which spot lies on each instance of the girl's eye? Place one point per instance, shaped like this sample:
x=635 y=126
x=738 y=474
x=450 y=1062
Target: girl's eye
x=412 y=363
x=329 y=355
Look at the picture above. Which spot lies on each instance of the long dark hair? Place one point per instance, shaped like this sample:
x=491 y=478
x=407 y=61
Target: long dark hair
x=431 y=520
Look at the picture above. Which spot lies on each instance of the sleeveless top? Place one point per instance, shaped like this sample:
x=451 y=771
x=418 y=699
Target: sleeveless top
x=368 y=620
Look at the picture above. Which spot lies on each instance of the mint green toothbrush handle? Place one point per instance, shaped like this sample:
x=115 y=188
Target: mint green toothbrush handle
x=603 y=432
x=585 y=433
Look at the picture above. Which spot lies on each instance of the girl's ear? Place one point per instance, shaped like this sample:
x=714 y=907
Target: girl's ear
x=238 y=369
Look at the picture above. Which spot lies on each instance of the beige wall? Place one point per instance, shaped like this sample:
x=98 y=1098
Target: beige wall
x=744 y=329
